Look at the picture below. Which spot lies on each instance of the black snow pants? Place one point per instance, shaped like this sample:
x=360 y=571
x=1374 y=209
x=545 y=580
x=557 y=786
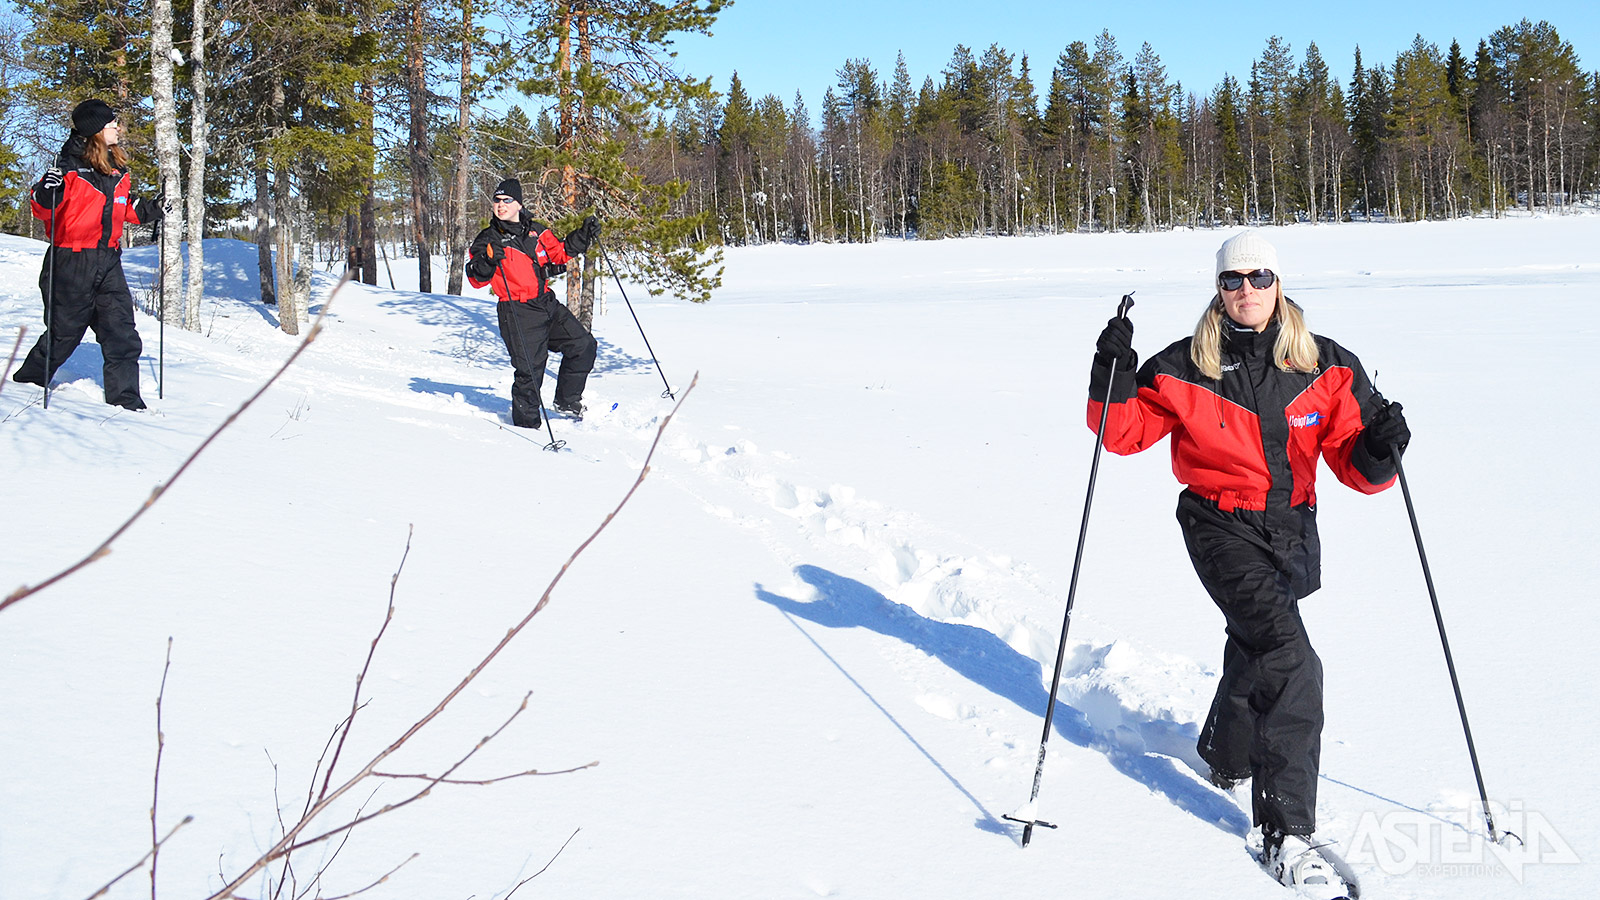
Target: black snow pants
x=1266 y=720
x=89 y=292
x=531 y=330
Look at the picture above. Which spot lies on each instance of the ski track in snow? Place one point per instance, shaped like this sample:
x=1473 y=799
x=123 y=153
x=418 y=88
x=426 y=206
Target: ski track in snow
x=945 y=607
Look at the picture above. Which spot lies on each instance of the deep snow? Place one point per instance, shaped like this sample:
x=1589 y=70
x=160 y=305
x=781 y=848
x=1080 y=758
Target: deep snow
x=811 y=656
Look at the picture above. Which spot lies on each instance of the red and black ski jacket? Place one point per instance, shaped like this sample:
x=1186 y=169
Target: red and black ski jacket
x=515 y=259
x=90 y=207
x=1251 y=440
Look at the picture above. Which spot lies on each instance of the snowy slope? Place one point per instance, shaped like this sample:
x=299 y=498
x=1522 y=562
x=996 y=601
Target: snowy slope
x=811 y=656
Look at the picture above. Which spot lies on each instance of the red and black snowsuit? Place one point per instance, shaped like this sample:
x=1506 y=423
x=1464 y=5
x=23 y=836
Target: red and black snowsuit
x=87 y=214
x=1247 y=447
x=514 y=259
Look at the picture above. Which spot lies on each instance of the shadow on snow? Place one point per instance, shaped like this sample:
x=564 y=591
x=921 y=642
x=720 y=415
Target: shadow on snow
x=984 y=659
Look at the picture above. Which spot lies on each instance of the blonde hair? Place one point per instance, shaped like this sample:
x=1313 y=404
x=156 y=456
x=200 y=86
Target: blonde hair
x=1294 y=351
x=107 y=159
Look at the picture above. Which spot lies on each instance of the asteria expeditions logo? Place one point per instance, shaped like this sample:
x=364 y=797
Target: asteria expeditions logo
x=1427 y=843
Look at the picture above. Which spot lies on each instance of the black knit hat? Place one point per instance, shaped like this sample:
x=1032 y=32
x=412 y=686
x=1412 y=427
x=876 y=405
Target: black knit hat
x=510 y=188
x=90 y=116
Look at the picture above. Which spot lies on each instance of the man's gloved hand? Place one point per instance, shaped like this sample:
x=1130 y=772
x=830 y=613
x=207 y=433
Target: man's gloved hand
x=1116 y=344
x=484 y=259
x=584 y=236
x=1387 y=429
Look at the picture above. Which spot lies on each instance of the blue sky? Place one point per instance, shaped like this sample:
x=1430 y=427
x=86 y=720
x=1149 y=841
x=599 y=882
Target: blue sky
x=780 y=46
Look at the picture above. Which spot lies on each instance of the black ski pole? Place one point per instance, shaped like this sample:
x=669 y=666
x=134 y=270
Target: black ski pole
x=49 y=298
x=1032 y=818
x=161 y=291
x=1449 y=661
x=618 y=279
x=554 y=445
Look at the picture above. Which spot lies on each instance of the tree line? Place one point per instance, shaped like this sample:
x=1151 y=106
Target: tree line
x=359 y=130
x=1110 y=143
x=363 y=131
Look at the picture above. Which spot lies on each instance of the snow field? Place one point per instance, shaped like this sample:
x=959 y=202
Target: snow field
x=824 y=625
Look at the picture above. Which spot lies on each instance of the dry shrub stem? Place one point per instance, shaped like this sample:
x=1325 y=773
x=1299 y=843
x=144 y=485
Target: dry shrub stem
x=160 y=489
x=292 y=839
x=5 y=375
x=546 y=866
x=155 y=787
x=140 y=864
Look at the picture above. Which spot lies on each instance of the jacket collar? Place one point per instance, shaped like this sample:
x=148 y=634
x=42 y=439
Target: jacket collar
x=1241 y=341
x=518 y=228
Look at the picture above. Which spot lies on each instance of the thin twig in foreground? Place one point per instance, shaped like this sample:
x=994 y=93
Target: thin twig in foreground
x=436 y=780
x=155 y=788
x=375 y=883
x=355 y=701
x=140 y=864
x=5 y=376
x=156 y=493
x=291 y=839
x=547 y=865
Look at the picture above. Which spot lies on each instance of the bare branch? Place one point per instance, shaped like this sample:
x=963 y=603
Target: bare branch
x=160 y=489
x=355 y=701
x=292 y=839
x=547 y=865
x=155 y=789
x=140 y=864
x=5 y=375
x=375 y=883
x=438 y=780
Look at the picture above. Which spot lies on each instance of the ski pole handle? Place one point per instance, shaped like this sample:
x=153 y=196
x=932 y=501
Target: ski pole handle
x=1125 y=305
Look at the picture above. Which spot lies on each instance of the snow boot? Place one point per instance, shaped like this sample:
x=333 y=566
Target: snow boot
x=1226 y=782
x=573 y=409
x=1297 y=861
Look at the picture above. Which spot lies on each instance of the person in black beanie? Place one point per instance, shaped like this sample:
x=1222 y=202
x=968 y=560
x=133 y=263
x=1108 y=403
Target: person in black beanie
x=515 y=256
x=86 y=202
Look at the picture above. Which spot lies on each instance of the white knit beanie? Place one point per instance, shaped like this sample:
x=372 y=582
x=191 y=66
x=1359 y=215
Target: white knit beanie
x=1246 y=252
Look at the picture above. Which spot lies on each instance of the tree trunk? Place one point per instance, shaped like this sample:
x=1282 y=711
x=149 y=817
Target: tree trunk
x=421 y=156
x=369 y=211
x=306 y=229
x=199 y=140
x=283 y=205
x=264 y=268
x=458 y=237
x=168 y=159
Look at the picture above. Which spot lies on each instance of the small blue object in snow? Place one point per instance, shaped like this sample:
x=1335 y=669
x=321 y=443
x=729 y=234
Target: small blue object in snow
x=613 y=407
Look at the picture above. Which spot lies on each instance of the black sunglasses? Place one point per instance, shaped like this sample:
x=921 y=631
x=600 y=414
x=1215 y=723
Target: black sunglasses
x=1260 y=279
x=502 y=198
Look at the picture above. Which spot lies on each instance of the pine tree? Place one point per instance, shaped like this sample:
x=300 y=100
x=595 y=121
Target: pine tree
x=605 y=64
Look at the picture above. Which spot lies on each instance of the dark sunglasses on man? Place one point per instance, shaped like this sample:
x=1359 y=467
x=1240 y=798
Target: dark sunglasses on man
x=1260 y=279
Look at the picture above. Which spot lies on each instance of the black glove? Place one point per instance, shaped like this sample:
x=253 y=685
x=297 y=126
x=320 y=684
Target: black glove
x=1116 y=344
x=49 y=190
x=152 y=209
x=482 y=260
x=582 y=237
x=1386 y=430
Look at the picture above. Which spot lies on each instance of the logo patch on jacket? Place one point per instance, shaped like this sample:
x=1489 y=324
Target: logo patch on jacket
x=1305 y=421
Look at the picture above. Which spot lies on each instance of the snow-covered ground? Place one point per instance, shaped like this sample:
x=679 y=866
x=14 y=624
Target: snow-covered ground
x=811 y=656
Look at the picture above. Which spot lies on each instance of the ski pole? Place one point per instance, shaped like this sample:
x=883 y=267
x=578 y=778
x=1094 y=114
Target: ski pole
x=618 y=279
x=161 y=291
x=49 y=299
x=1031 y=819
x=1449 y=661
x=554 y=446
